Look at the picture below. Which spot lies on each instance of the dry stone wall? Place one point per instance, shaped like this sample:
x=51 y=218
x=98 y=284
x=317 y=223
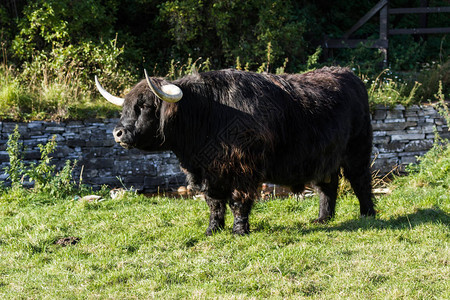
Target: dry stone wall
x=403 y=134
x=100 y=161
x=400 y=135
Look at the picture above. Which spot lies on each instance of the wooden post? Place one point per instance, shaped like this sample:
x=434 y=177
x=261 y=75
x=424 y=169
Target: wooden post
x=366 y=18
x=423 y=19
x=384 y=24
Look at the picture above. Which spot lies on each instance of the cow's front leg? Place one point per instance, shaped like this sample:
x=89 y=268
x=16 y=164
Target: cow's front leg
x=241 y=205
x=217 y=208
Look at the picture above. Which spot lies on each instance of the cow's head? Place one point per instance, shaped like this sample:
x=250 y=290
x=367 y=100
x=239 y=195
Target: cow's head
x=139 y=125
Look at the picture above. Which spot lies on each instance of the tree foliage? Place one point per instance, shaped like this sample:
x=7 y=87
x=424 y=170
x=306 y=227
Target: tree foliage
x=225 y=30
x=151 y=33
x=50 y=24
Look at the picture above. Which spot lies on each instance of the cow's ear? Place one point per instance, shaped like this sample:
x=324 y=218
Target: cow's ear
x=168 y=92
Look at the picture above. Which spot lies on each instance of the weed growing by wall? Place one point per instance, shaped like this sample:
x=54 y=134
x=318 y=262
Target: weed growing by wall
x=43 y=173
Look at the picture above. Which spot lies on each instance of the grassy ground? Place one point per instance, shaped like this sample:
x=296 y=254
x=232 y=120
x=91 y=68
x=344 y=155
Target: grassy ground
x=139 y=247
x=154 y=247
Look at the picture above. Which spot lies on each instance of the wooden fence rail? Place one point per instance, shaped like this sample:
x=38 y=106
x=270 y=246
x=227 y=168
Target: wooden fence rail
x=382 y=42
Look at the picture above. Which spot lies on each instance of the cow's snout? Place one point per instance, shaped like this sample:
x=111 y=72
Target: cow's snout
x=123 y=137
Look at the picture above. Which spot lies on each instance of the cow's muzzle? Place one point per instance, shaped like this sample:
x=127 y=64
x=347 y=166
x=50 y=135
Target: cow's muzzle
x=123 y=137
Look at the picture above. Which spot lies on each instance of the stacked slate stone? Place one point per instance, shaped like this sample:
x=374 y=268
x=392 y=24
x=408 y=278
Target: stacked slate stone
x=402 y=134
x=100 y=160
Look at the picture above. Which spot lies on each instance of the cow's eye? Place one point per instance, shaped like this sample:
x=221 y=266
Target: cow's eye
x=145 y=106
x=141 y=103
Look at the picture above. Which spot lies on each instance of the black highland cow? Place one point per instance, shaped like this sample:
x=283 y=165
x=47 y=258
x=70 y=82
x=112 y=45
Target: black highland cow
x=233 y=130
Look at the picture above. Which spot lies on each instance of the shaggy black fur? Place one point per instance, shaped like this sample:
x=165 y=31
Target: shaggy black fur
x=233 y=130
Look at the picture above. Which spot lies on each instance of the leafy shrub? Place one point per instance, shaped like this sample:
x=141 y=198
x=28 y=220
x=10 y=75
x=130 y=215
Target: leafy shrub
x=431 y=75
x=225 y=30
x=58 y=59
x=15 y=151
x=405 y=53
x=442 y=106
x=58 y=184
x=368 y=61
x=73 y=67
x=50 y=24
x=177 y=69
x=42 y=172
x=53 y=99
x=14 y=99
x=389 y=89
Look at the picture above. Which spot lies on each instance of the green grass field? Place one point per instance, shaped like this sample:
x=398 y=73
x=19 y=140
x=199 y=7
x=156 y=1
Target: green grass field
x=141 y=248
x=155 y=248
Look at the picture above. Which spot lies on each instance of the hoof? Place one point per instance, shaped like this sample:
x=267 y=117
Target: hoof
x=322 y=220
x=241 y=233
x=242 y=229
x=372 y=216
x=212 y=231
x=369 y=213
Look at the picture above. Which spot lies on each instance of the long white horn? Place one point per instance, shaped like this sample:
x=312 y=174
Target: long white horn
x=113 y=99
x=168 y=92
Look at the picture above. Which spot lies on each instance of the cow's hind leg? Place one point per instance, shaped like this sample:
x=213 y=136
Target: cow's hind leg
x=217 y=209
x=357 y=171
x=361 y=182
x=327 y=194
x=241 y=205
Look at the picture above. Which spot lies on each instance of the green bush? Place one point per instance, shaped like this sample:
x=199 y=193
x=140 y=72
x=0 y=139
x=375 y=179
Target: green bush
x=74 y=66
x=14 y=98
x=53 y=99
x=50 y=24
x=225 y=30
x=16 y=167
x=155 y=32
x=389 y=89
x=405 y=53
x=431 y=76
x=42 y=174
x=60 y=47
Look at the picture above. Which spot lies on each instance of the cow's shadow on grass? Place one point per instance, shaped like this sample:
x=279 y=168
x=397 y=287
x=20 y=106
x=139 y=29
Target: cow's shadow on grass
x=419 y=217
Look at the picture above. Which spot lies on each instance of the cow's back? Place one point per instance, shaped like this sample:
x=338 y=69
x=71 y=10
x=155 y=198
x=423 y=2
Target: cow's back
x=299 y=125
x=330 y=113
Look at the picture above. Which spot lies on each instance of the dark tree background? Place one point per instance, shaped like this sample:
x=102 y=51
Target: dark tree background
x=149 y=33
